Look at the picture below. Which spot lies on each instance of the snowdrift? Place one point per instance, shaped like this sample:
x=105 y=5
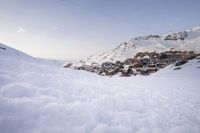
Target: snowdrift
x=38 y=96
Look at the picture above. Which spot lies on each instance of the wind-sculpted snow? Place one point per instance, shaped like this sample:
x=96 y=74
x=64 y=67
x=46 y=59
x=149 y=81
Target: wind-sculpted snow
x=37 y=97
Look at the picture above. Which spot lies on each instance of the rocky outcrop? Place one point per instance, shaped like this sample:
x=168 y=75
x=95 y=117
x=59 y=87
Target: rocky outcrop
x=147 y=37
x=2 y=48
x=176 y=36
x=67 y=65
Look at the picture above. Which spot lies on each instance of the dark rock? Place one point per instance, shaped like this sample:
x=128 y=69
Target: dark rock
x=182 y=62
x=2 y=48
x=163 y=56
x=152 y=70
x=177 y=68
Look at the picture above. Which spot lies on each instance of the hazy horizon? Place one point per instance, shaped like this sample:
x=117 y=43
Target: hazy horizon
x=67 y=29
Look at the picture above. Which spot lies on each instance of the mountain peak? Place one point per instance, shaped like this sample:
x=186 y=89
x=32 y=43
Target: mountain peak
x=184 y=41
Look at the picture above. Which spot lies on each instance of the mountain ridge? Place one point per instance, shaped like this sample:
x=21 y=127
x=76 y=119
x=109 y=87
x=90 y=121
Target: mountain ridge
x=148 y=43
x=176 y=46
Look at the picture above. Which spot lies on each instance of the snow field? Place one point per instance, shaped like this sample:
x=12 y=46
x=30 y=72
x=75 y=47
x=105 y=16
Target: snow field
x=45 y=98
x=38 y=96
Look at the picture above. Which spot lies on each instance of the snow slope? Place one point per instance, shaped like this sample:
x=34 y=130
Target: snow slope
x=41 y=97
x=151 y=43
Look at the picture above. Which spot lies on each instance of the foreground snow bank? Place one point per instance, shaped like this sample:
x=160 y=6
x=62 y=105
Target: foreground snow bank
x=40 y=97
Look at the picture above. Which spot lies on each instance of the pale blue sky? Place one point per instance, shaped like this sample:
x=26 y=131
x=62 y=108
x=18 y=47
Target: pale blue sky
x=69 y=29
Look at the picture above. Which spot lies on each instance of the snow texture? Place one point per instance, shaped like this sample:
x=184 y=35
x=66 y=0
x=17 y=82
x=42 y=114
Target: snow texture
x=39 y=96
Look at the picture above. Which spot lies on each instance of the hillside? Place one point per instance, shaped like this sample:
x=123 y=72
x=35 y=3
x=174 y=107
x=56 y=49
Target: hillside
x=40 y=96
x=187 y=40
x=144 y=55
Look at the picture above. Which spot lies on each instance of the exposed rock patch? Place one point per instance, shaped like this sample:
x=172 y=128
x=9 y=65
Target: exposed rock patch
x=177 y=36
x=2 y=48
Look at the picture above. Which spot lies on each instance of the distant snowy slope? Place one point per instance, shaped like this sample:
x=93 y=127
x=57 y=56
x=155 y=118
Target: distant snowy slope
x=7 y=52
x=16 y=56
x=188 y=40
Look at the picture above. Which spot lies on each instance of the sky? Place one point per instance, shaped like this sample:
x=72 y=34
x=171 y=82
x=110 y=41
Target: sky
x=73 y=29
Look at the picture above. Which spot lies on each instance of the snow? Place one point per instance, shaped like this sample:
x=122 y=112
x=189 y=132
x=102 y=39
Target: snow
x=38 y=96
x=148 y=44
x=146 y=57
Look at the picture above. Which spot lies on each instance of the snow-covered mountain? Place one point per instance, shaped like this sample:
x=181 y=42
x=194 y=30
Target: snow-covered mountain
x=188 y=40
x=144 y=55
x=39 y=96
